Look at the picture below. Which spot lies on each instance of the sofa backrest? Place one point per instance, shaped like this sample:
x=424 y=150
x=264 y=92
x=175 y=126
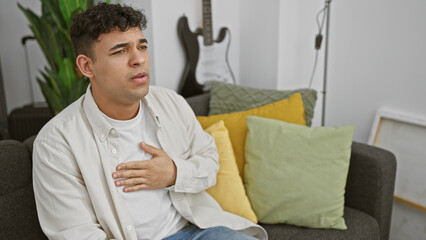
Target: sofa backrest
x=18 y=218
x=200 y=104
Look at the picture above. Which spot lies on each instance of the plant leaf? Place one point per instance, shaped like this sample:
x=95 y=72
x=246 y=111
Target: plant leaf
x=61 y=82
x=66 y=73
x=55 y=12
x=66 y=10
x=50 y=81
x=52 y=98
x=35 y=26
x=66 y=43
x=49 y=38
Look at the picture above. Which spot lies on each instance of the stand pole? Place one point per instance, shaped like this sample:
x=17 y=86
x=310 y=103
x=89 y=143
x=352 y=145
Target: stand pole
x=324 y=91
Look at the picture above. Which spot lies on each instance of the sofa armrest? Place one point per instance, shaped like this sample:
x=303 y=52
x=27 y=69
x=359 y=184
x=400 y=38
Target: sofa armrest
x=18 y=216
x=29 y=145
x=371 y=182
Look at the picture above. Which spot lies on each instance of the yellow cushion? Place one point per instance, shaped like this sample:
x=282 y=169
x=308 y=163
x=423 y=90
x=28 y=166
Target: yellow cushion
x=229 y=190
x=289 y=110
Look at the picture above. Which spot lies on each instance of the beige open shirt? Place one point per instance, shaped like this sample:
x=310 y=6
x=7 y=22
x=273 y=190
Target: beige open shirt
x=77 y=151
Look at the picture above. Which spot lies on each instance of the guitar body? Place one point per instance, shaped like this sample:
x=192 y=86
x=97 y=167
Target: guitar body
x=204 y=64
x=213 y=62
x=188 y=84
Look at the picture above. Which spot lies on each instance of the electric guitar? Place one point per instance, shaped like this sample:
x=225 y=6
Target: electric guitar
x=206 y=60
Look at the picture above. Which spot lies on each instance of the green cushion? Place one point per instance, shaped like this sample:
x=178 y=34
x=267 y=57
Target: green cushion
x=296 y=174
x=227 y=98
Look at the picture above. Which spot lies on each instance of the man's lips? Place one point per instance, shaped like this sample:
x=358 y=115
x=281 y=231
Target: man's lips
x=140 y=78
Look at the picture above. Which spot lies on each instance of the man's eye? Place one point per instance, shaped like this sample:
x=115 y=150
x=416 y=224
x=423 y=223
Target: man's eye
x=119 y=52
x=143 y=47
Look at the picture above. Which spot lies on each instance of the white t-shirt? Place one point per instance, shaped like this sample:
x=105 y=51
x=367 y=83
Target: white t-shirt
x=154 y=216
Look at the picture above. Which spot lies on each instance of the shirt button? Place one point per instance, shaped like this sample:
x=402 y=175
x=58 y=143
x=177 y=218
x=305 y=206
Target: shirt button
x=129 y=227
x=114 y=151
x=113 y=131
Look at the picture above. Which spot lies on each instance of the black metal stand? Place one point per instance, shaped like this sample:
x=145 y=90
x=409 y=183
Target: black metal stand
x=327 y=35
x=3 y=110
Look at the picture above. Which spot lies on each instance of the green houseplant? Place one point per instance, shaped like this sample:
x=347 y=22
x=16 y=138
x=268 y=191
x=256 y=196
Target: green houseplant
x=61 y=82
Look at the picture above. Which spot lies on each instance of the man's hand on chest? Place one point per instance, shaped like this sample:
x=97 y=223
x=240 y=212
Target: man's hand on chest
x=155 y=173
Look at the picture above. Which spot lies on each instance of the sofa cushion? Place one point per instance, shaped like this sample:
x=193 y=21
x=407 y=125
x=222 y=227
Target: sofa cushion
x=360 y=226
x=227 y=98
x=290 y=110
x=17 y=205
x=296 y=174
x=16 y=166
x=229 y=190
x=19 y=216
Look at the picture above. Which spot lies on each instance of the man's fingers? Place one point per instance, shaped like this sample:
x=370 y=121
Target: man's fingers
x=156 y=173
x=151 y=150
x=130 y=182
x=134 y=165
x=136 y=188
x=130 y=174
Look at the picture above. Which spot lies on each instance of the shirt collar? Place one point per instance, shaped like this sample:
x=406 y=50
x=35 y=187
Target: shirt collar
x=149 y=104
x=100 y=125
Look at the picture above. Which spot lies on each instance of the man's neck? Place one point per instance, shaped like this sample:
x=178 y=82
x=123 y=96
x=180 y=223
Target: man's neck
x=121 y=112
x=116 y=110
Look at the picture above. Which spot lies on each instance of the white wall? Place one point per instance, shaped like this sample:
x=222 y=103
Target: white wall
x=259 y=43
x=14 y=26
x=169 y=55
x=377 y=51
x=296 y=34
x=376 y=57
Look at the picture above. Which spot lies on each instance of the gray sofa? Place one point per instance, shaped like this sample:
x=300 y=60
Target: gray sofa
x=368 y=198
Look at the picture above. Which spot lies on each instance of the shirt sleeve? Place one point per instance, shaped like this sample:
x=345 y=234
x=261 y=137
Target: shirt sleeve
x=198 y=172
x=63 y=204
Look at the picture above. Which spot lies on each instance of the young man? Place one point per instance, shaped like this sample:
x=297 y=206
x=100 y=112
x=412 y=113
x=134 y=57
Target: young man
x=127 y=161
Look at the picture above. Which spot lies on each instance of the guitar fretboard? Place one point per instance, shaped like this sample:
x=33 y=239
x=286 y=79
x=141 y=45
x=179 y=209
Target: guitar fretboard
x=207 y=23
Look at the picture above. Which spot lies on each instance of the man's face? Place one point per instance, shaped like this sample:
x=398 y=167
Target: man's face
x=121 y=68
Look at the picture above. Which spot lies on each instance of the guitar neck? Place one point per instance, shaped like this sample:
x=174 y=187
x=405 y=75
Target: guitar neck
x=207 y=23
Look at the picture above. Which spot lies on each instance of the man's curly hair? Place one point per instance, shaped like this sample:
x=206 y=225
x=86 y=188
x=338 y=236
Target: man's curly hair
x=102 y=18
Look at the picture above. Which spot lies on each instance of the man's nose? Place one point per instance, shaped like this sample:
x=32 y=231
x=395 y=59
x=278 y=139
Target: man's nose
x=138 y=58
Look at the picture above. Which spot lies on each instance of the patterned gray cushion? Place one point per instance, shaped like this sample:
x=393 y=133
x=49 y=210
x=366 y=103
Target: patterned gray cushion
x=226 y=98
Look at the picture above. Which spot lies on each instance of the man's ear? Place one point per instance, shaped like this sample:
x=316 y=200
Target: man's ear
x=85 y=65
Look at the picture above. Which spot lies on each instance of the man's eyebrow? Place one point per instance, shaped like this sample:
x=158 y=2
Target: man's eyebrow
x=120 y=45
